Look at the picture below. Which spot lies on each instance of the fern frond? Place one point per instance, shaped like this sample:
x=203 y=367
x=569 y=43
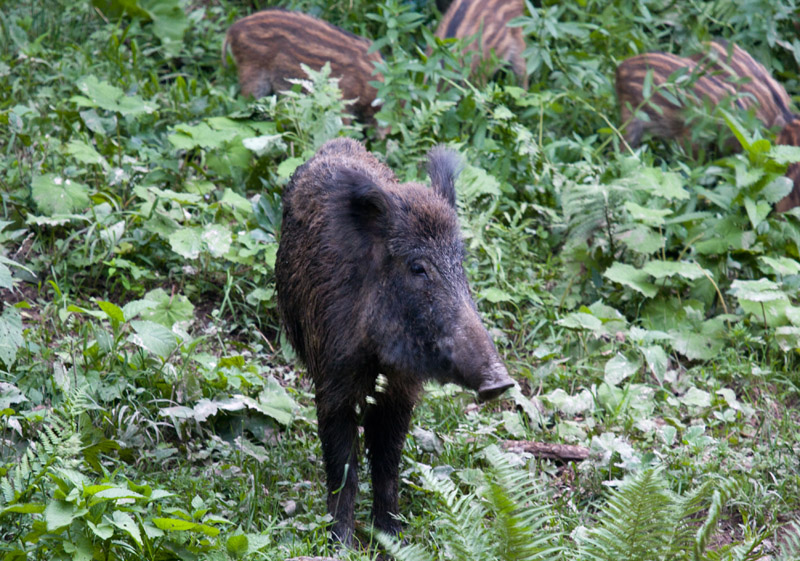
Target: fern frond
x=400 y=552
x=635 y=524
x=790 y=548
x=521 y=511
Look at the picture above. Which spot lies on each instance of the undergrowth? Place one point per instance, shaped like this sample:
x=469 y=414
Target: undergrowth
x=644 y=299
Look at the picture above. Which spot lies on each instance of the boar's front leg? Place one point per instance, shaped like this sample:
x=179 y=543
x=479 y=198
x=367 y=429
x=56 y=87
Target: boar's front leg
x=338 y=432
x=385 y=427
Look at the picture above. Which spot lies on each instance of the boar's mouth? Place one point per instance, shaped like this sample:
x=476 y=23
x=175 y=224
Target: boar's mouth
x=497 y=382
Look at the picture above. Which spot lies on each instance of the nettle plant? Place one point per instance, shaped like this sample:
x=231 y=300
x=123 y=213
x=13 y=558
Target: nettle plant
x=699 y=248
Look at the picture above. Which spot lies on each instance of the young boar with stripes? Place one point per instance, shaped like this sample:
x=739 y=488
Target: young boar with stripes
x=754 y=84
x=374 y=299
x=665 y=118
x=269 y=47
x=488 y=20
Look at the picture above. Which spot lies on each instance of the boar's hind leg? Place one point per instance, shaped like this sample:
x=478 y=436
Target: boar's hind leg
x=338 y=432
x=385 y=427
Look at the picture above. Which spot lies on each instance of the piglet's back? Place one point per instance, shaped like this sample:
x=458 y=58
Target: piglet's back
x=270 y=46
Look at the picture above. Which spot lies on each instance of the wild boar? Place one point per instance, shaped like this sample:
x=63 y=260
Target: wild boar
x=731 y=63
x=665 y=118
x=488 y=19
x=370 y=282
x=270 y=45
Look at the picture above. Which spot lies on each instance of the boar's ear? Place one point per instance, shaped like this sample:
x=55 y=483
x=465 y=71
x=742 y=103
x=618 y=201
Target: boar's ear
x=443 y=168
x=365 y=206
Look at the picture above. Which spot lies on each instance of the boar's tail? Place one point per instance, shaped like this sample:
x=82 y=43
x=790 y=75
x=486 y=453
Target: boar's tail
x=444 y=165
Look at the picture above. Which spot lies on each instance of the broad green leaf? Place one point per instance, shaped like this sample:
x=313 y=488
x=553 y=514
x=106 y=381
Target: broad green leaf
x=177 y=412
x=11 y=337
x=619 y=368
x=756 y=212
x=746 y=175
x=178 y=525
x=186 y=242
x=112 y=311
x=530 y=406
x=236 y=201
x=661 y=269
x=114 y=494
x=6 y=280
x=761 y=290
x=135 y=307
x=111 y=98
x=26 y=508
x=784 y=154
x=102 y=530
x=287 y=167
x=696 y=346
x=513 y=424
x=657 y=361
x=642 y=239
x=167 y=309
x=181 y=198
x=169 y=22
x=696 y=398
x=570 y=404
x=783 y=266
x=276 y=402
x=495 y=295
x=154 y=338
x=237 y=546
x=737 y=129
x=218 y=239
x=581 y=320
x=126 y=523
x=788 y=338
x=59 y=514
x=650 y=216
x=186 y=137
x=667 y=185
x=56 y=195
x=85 y=153
x=773 y=312
x=630 y=276
x=777 y=189
x=261 y=144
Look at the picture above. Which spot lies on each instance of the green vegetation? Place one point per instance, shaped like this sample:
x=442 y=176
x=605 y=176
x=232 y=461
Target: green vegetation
x=647 y=301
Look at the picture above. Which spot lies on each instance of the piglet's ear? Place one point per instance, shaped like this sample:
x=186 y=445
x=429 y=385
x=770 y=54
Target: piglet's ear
x=364 y=207
x=443 y=168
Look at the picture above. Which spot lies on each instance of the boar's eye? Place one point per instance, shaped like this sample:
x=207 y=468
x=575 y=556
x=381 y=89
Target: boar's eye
x=417 y=269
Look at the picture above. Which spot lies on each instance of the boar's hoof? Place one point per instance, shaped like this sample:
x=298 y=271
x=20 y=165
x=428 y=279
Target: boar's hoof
x=498 y=383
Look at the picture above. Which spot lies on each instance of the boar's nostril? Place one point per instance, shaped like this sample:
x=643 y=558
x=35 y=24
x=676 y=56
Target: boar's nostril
x=495 y=386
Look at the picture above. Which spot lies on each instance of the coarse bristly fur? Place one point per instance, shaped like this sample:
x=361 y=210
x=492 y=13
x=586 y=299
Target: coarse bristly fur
x=749 y=78
x=488 y=20
x=370 y=281
x=665 y=118
x=269 y=47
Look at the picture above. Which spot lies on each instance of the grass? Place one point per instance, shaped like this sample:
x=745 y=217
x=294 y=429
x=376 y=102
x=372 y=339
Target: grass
x=151 y=406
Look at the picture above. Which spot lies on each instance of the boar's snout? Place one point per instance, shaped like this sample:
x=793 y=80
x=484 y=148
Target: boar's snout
x=474 y=357
x=495 y=383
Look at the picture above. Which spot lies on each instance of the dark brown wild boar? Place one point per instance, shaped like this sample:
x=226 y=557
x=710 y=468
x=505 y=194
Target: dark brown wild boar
x=729 y=62
x=665 y=118
x=370 y=282
x=488 y=19
x=270 y=45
